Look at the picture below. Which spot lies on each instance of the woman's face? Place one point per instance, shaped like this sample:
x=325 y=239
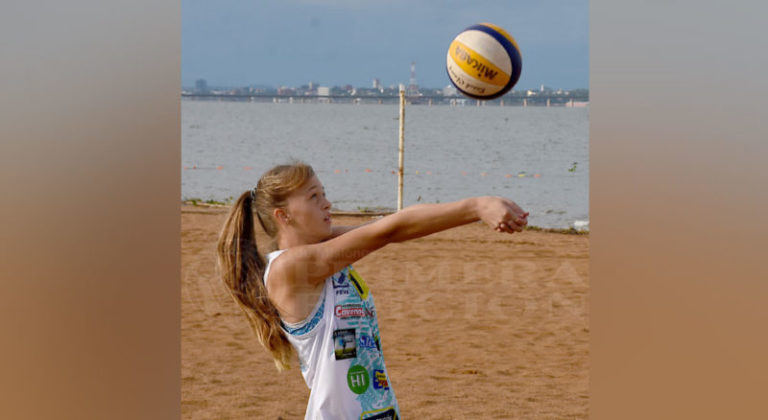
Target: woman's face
x=310 y=211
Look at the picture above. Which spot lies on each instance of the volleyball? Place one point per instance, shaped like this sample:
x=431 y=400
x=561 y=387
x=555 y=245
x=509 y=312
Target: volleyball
x=483 y=61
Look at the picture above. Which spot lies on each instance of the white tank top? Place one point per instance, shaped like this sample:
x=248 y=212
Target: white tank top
x=339 y=351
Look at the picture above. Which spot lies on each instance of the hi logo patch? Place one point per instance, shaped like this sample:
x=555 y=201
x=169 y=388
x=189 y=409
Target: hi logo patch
x=357 y=379
x=358 y=283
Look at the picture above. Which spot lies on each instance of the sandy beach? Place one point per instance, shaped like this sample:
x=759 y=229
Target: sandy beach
x=475 y=324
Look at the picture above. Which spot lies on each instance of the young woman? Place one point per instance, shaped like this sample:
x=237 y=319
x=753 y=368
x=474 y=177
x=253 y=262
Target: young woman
x=306 y=298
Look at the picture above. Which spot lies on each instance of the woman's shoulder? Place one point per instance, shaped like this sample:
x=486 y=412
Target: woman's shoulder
x=294 y=297
x=270 y=257
x=274 y=254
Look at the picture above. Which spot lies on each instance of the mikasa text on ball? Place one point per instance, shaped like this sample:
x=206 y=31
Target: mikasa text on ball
x=483 y=61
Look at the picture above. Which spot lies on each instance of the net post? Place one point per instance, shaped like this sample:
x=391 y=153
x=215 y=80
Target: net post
x=401 y=150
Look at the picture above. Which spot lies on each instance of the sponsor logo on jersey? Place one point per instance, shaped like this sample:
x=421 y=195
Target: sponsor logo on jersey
x=358 y=283
x=349 y=311
x=344 y=344
x=358 y=379
x=367 y=342
x=388 y=413
x=340 y=281
x=380 y=379
x=352 y=310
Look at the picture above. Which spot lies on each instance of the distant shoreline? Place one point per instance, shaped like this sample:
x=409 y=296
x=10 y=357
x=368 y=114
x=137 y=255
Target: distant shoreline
x=188 y=206
x=547 y=101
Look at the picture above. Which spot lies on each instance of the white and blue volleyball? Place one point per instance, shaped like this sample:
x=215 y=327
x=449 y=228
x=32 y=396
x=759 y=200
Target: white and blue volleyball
x=484 y=61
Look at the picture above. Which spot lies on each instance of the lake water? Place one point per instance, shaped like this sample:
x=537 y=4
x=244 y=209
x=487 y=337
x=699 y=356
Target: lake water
x=536 y=156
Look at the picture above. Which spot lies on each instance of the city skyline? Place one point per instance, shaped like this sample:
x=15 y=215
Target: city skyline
x=343 y=42
x=312 y=85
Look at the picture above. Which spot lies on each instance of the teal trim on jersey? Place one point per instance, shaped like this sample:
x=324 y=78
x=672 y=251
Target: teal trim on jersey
x=306 y=328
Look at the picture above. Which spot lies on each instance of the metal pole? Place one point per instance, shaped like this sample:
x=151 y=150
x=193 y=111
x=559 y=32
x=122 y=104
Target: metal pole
x=401 y=151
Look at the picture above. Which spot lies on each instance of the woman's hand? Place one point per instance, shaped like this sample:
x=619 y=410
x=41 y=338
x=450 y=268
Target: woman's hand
x=501 y=214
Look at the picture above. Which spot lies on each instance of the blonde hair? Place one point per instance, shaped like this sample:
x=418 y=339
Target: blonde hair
x=242 y=267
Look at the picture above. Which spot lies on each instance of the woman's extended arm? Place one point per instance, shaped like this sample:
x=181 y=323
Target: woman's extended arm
x=340 y=230
x=425 y=219
x=313 y=263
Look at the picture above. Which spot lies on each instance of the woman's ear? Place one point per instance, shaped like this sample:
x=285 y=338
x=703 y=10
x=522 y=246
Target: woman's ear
x=281 y=216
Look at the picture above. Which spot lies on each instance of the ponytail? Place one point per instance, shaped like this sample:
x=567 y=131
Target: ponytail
x=242 y=270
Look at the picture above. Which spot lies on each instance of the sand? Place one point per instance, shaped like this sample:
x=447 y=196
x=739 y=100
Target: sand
x=475 y=324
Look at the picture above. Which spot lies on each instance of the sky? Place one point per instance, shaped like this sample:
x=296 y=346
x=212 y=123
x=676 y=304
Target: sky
x=232 y=43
